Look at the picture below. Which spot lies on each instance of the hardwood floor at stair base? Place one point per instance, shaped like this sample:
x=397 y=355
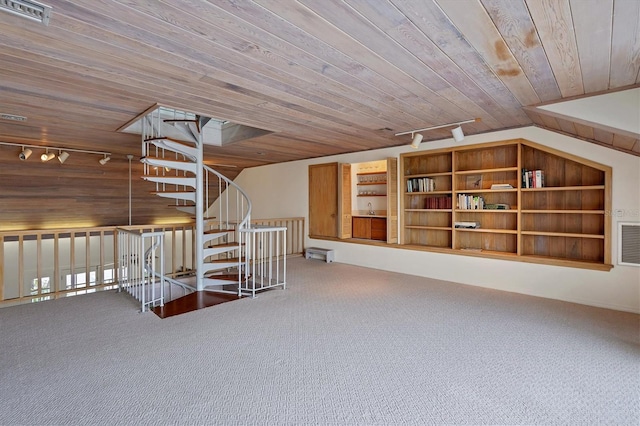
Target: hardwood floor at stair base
x=192 y=302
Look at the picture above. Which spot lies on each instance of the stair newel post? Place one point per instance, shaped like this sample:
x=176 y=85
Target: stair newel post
x=199 y=216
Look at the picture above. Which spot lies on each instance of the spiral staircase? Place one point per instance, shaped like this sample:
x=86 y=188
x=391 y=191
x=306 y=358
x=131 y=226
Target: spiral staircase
x=172 y=154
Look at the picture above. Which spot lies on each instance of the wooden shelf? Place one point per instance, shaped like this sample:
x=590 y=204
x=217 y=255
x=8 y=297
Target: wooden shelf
x=483 y=171
x=492 y=231
x=562 y=211
x=427 y=175
x=372 y=195
x=564 y=188
x=486 y=211
x=484 y=191
x=371 y=183
x=439 y=228
x=429 y=193
x=563 y=223
x=563 y=234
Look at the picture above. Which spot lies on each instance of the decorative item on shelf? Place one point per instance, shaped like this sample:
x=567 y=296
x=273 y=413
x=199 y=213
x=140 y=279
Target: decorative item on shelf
x=466 y=225
x=497 y=206
x=474 y=182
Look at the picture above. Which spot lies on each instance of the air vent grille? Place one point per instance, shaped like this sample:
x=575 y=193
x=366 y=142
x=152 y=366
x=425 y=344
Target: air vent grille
x=27 y=9
x=12 y=117
x=629 y=244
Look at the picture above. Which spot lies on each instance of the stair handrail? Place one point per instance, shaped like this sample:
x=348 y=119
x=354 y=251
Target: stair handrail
x=246 y=220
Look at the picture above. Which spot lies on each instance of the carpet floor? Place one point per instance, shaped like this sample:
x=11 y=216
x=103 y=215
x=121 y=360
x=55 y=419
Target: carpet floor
x=342 y=345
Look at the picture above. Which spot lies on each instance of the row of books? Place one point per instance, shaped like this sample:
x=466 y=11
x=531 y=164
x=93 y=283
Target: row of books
x=421 y=185
x=437 y=203
x=532 y=178
x=470 y=202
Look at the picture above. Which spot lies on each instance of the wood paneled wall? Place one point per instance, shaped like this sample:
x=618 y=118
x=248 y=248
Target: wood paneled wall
x=78 y=193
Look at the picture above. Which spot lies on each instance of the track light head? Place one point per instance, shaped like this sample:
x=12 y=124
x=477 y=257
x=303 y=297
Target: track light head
x=26 y=153
x=62 y=156
x=458 y=134
x=415 y=142
x=105 y=160
x=46 y=156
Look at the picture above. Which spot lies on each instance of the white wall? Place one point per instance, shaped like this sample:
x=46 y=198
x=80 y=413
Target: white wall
x=281 y=190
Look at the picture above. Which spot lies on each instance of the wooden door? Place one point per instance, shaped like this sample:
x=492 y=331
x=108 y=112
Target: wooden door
x=323 y=200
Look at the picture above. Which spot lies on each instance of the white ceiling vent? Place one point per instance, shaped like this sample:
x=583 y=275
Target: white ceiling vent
x=27 y=9
x=629 y=243
x=12 y=117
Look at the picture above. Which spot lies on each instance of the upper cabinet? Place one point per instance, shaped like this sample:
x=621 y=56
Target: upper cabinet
x=512 y=199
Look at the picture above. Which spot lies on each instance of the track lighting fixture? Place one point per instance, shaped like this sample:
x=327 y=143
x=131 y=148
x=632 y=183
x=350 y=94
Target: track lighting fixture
x=62 y=156
x=415 y=142
x=63 y=153
x=25 y=153
x=457 y=133
x=46 y=156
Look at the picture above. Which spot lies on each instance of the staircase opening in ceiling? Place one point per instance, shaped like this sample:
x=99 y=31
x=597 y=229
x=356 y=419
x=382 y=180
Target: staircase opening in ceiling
x=215 y=131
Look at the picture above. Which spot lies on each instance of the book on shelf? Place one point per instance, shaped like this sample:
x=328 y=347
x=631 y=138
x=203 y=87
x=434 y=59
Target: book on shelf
x=470 y=202
x=501 y=186
x=532 y=178
x=440 y=203
x=424 y=184
x=466 y=225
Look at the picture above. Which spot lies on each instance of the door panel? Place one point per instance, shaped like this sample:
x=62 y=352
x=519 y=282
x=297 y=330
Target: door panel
x=392 y=200
x=323 y=200
x=345 y=201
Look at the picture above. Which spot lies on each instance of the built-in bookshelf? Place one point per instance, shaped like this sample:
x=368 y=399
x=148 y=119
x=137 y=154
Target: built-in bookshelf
x=474 y=200
x=425 y=224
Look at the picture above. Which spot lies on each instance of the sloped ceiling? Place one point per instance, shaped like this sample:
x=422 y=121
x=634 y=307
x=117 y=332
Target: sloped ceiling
x=325 y=76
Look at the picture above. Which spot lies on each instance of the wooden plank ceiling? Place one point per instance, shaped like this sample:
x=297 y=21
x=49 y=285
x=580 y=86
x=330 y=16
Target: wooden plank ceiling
x=325 y=76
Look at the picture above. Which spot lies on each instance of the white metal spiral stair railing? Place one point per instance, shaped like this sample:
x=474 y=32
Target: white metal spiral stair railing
x=176 y=166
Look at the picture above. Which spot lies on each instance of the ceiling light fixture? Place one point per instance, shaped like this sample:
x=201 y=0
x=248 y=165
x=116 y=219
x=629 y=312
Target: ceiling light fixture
x=458 y=135
x=62 y=156
x=27 y=150
x=415 y=141
x=25 y=153
x=46 y=156
x=105 y=160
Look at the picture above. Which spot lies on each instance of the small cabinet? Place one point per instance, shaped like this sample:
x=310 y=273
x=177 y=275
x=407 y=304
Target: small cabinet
x=370 y=228
x=379 y=229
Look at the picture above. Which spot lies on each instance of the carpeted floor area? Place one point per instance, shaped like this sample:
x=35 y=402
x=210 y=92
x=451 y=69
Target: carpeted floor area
x=343 y=345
